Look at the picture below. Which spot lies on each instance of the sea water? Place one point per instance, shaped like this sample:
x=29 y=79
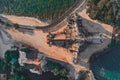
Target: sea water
x=107 y=66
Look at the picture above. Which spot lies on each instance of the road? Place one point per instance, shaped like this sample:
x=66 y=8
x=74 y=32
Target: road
x=61 y=22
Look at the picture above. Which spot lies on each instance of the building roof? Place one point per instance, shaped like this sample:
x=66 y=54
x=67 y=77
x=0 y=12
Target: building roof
x=32 y=54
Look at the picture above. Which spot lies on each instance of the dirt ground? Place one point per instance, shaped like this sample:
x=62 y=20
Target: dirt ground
x=28 y=21
x=39 y=41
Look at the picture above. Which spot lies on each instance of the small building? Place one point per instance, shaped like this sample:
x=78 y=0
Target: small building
x=3 y=76
x=22 y=58
x=32 y=54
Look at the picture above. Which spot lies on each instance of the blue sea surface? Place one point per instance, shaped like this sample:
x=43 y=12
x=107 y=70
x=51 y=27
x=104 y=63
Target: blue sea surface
x=107 y=66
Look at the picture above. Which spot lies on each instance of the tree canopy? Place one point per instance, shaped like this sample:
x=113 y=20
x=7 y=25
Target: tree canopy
x=105 y=11
x=42 y=9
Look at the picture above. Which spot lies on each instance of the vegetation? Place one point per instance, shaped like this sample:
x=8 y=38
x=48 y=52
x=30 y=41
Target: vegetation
x=26 y=50
x=113 y=43
x=16 y=26
x=7 y=24
x=19 y=72
x=17 y=77
x=5 y=65
x=83 y=75
x=57 y=69
x=45 y=10
x=105 y=11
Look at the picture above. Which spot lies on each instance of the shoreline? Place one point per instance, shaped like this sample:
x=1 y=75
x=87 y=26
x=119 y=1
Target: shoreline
x=24 y=20
x=102 y=52
x=108 y=29
x=95 y=56
x=98 y=55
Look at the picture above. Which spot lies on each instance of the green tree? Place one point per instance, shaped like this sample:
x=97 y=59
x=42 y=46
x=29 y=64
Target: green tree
x=103 y=11
x=16 y=26
x=56 y=71
x=62 y=78
x=22 y=78
x=63 y=72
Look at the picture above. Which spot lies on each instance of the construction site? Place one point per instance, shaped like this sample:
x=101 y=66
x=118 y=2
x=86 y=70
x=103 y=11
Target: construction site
x=74 y=37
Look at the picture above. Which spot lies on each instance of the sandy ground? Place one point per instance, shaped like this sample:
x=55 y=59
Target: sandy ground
x=61 y=30
x=105 y=26
x=28 y=21
x=78 y=67
x=32 y=62
x=38 y=41
x=60 y=33
x=60 y=37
